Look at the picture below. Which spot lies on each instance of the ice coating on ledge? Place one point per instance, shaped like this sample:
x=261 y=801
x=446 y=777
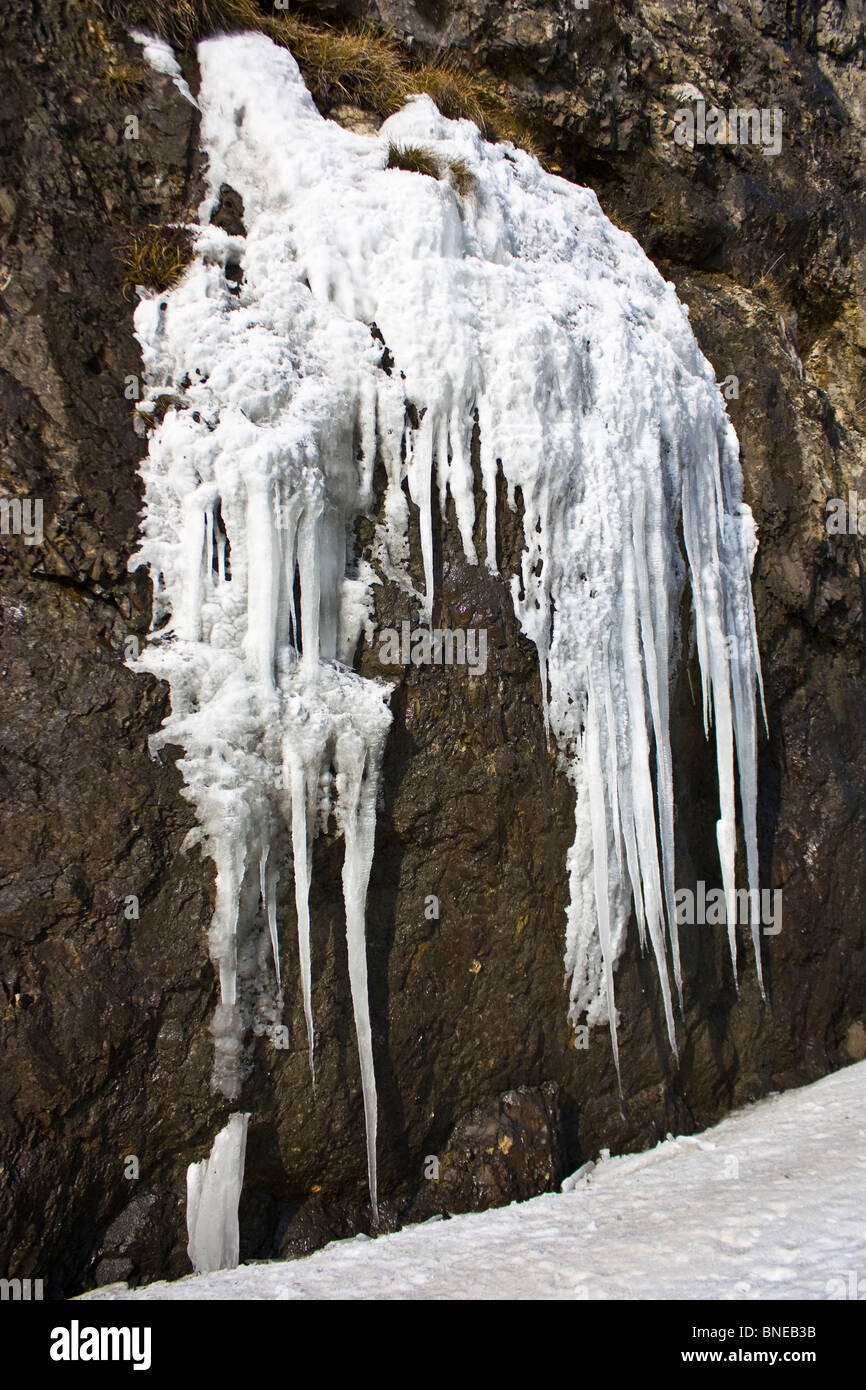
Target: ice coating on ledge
x=160 y=56
x=518 y=309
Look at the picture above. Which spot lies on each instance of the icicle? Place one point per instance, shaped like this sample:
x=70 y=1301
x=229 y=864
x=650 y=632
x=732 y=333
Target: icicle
x=420 y=476
x=357 y=785
x=268 y=882
x=598 y=815
x=300 y=794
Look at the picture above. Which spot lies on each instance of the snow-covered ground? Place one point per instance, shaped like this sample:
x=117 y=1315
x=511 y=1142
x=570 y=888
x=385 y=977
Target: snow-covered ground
x=771 y=1203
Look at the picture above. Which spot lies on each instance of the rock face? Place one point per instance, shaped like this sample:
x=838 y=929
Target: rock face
x=502 y=1152
x=107 y=990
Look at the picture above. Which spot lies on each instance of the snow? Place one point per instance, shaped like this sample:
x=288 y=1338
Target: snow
x=767 y=1205
x=518 y=306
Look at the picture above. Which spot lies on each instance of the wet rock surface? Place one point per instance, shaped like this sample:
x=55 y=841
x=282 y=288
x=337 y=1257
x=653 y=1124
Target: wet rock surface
x=504 y=1151
x=105 y=1014
x=105 y=992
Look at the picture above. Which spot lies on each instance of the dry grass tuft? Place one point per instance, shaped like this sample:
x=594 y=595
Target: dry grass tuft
x=354 y=64
x=506 y=122
x=415 y=159
x=125 y=81
x=455 y=92
x=181 y=21
x=155 y=258
x=461 y=176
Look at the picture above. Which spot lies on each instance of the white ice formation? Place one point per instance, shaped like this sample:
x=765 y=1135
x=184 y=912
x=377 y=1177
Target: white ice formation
x=213 y=1190
x=160 y=56
x=515 y=306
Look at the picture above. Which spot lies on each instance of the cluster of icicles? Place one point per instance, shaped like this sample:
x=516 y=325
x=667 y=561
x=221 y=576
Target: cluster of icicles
x=515 y=307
